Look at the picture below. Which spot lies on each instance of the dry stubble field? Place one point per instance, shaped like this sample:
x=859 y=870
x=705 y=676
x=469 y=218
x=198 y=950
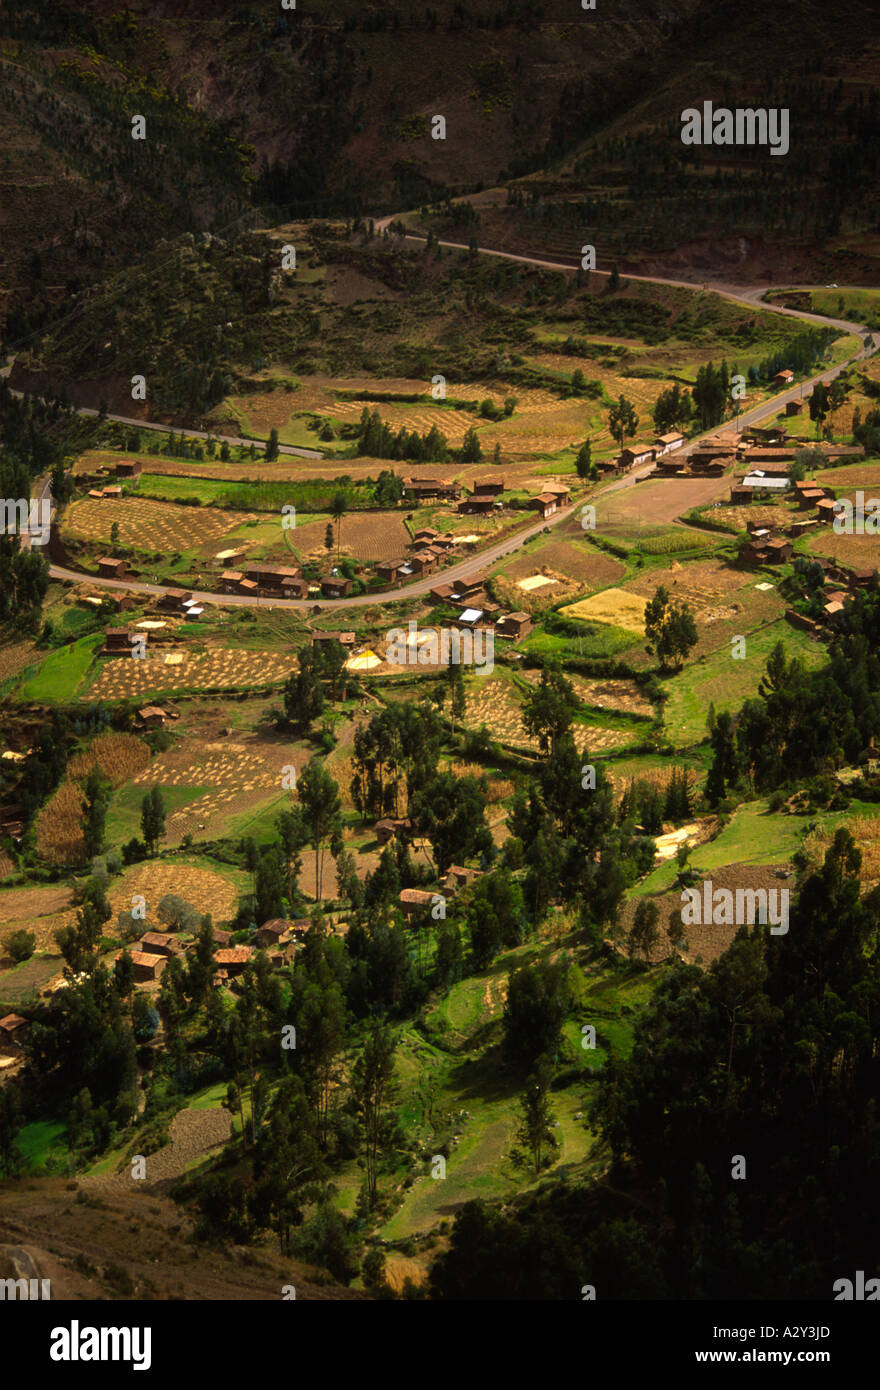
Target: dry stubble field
x=122 y=678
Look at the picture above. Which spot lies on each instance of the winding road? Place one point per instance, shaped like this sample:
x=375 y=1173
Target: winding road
x=751 y=296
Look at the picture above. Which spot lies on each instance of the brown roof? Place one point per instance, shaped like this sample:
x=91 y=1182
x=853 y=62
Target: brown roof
x=145 y=958
x=545 y=497
x=149 y=710
x=416 y=896
x=11 y=1022
x=234 y=955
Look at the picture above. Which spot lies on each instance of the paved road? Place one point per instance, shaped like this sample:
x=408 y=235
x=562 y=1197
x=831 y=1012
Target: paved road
x=460 y=570
x=751 y=295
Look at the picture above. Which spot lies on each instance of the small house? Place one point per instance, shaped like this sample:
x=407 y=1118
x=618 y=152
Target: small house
x=390 y=827
x=108 y=568
x=336 y=586
x=157 y=943
x=128 y=468
x=665 y=443
x=635 y=454
x=13 y=1031
x=234 y=958
x=152 y=717
x=148 y=966
x=794 y=407
x=783 y=378
x=271 y=932
x=121 y=641
x=414 y=902
x=514 y=626
x=458 y=877
x=389 y=570
x=545 y=503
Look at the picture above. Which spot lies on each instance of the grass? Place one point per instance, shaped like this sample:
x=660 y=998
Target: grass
x=124 y=815
x=720 y=680
x=63 y=672
x=42 y=1141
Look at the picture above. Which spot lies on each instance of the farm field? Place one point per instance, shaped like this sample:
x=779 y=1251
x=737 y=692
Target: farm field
x=496 y=703
x=61 y=675
x=854 y=552
x=716 y=678
x=149 y=526
x=368 y=536
x=218 y=783
x=224 y=668
x=207 y=889
x=614 y=606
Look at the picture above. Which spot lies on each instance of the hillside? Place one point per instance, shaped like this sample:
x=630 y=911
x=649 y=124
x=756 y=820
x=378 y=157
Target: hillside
x=251 y=113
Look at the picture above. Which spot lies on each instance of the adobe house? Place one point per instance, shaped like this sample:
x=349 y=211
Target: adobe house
x=128 y=468
x=458 y=877
x=389 y=570
x=667 y=442
x=826 y=510
x=426 y=535
x=271 y=932
x=861 y=579
x=635 y=454
x=388 y=829
x=422 y=562
x=562 y=494
x=779 y=550
x=119 y=641
x=414 y=902
x=345 y=639
x=230 y=581
x=147 y=966
x=442 y=593
x=794 y=407
x=514 y=626
x=108 y=568
x=545 y=503
x=476 y=506
x=111 y=492
x=488 y=487
x=156 y=943
x=740 y=496
x=336 y=586
x=174 y=601
x=473 y=585
x=441 y=488
x=152 y=717
x=783 y=378
x=13 y=1031
x=233 y=959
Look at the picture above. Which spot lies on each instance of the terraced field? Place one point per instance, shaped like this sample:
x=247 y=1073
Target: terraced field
x=149 y=525
x=218 y=668
x=495 y=704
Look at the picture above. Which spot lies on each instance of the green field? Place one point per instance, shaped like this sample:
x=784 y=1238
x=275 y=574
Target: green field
x=720 y=680
x=63 y=672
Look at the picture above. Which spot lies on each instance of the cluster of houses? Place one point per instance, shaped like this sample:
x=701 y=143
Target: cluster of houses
x=637 y=455
x=416 y=903
x=278 y=937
